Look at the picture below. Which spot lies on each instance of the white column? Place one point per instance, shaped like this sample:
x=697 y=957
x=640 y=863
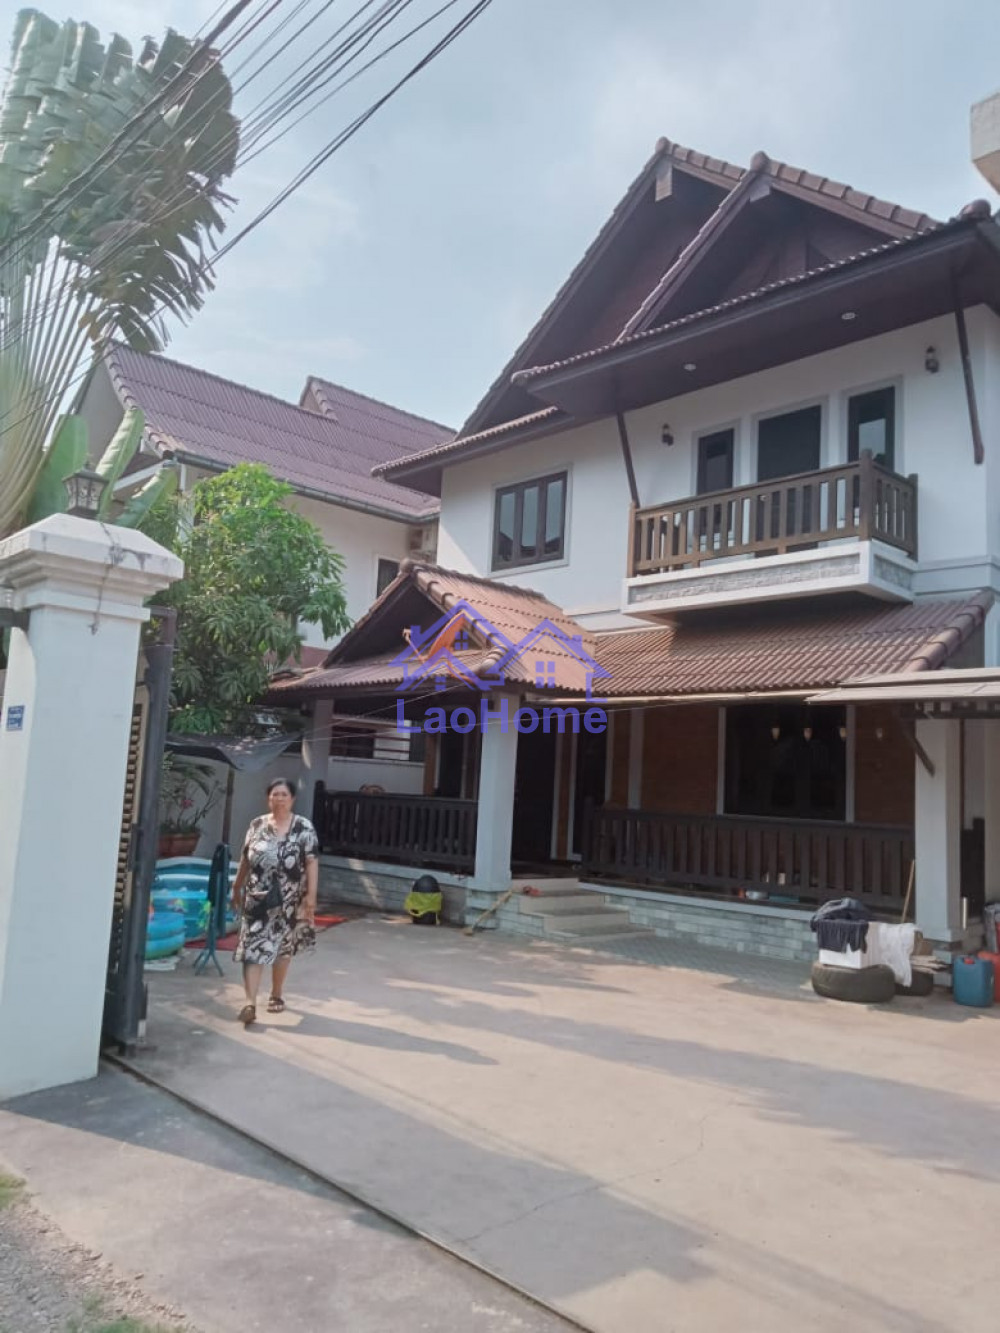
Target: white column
x=991 y=807
x=316 y=752
x=495 y=812
x=67 y=713
x=938 y=833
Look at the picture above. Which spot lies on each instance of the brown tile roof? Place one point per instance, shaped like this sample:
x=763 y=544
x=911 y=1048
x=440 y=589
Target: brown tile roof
x=782 y=648
x=513 y=611
x=775 y=648
x=532 y=421
x=200 y=416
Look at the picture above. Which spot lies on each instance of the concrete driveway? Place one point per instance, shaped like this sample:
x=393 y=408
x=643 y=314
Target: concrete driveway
x=643 y=1148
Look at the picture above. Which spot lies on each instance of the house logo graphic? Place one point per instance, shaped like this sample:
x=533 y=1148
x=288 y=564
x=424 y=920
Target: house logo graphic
x=462 y=648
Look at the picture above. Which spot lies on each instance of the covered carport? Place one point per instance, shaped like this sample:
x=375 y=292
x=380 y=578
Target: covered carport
x=946 y=716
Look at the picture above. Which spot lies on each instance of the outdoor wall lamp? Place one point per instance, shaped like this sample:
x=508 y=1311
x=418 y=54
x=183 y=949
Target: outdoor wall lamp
x=775 y=733
x=931 y=363
x=667 y=435
x=84 y=489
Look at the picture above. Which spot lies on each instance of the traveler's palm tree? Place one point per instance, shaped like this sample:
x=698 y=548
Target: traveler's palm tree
x=108 y=255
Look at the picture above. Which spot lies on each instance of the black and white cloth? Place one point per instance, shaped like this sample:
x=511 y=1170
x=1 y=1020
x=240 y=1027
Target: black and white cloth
x=841 y=924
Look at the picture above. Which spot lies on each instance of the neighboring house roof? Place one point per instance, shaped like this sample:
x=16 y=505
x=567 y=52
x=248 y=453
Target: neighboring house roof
x=612 y=296
x=204 y=419
x=793 y=648
x=782 y=648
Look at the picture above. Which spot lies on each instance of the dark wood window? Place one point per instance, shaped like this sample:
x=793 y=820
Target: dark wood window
x=786 y=762
x=530 y=522
x=871 y=424
x=715 y=462
x=351 y=742
x=789 y=444
x=387 y=571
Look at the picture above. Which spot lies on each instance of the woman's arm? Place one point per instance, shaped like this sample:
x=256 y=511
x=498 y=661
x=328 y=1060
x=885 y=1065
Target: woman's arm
x=236 y=896
x=312 y=888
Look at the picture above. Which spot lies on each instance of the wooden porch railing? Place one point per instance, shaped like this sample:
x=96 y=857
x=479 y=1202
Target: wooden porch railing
x=808 y=861
x=862 y=500
x=420 y=831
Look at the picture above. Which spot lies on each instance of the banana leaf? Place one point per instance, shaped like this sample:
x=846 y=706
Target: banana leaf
x=119 y=454
x=66 y=455
x=161 y=484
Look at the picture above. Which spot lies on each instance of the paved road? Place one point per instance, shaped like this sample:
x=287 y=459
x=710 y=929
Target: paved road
x=229 y=1232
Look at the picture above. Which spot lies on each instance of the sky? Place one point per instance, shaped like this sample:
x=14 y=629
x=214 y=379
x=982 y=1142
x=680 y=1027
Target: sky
x=413 y=264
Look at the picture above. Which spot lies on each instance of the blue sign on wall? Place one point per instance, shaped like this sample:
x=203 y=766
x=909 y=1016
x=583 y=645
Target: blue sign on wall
x=15 y=717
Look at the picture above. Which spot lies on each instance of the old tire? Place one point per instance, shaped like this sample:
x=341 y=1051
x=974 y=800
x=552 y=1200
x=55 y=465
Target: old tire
x=921 y=983
x=865 y=985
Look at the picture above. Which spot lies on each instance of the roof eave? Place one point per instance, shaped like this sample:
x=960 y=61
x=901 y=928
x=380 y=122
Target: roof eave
x=592 y=384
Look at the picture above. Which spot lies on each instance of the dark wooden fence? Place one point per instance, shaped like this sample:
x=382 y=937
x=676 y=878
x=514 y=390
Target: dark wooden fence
x=862 y=500
x=811 y=862
x=419 y=831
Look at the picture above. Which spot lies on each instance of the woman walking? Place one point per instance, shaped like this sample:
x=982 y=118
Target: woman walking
x=275 y=892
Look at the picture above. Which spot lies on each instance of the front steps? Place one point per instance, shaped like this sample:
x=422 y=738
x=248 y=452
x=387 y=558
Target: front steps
x=568 y=912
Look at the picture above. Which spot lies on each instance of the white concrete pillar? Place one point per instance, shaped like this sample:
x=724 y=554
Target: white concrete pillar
x=316 y=751
x=938 y=832
x=495 y=813
x=67 y=713
x=991 y=807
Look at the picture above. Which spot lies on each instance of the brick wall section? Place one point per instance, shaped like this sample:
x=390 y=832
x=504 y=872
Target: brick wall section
x=680 y=759
x=619 y=759
x=381 y=887
x=883 y=770
x=743 y=929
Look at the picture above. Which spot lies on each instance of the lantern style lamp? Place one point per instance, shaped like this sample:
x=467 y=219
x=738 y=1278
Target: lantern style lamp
x=84 y=489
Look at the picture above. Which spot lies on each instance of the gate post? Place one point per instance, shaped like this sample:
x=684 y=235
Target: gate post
x=64 y=738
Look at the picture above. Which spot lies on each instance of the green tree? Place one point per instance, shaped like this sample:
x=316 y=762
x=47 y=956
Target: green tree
x=254 y=569
x=86 y=257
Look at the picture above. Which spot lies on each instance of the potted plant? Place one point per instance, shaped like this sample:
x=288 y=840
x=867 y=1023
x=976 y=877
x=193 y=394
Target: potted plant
x=188 y=793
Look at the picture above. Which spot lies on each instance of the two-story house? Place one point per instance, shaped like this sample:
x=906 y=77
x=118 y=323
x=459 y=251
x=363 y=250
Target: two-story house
x=749 y=452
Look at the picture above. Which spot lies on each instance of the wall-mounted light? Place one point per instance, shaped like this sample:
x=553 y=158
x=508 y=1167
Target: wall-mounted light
x=667 y=435
x=807 y=733
x=84 y=490
x=931 y=362
x=843 y=732
x=879 y=733
x=775 y=732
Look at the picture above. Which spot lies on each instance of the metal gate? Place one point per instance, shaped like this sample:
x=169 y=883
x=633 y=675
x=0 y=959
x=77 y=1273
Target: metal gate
x=125 y=990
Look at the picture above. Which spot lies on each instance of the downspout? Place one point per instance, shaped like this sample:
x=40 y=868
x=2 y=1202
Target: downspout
x=978 y=451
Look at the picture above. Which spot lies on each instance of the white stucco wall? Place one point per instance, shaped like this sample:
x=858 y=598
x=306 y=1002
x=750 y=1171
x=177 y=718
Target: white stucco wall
x=959 y=502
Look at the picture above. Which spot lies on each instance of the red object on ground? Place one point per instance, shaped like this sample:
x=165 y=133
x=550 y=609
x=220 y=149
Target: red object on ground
x=993 y=958
x=531 y=892
x=227 y=943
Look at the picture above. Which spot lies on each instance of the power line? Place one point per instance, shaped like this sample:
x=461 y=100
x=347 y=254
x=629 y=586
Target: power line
x=328 y=151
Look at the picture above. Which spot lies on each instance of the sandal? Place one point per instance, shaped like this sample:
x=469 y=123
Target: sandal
x=275 y=1005
x=247 y=1015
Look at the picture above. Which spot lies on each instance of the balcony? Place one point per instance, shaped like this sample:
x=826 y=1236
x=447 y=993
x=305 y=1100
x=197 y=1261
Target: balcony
x=851 y=528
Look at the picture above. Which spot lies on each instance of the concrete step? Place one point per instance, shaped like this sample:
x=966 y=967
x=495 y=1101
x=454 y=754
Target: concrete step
x=618 y=934
x=566 y=902
x=587 y=923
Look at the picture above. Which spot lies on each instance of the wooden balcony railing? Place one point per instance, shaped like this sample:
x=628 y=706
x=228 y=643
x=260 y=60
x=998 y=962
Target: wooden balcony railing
x=808 y=861
x=862 y=500
x=420 y=831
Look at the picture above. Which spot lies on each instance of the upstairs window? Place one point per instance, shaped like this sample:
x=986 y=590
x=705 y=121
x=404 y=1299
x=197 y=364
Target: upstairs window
x=715 y=462
x=529 y=522
x=871 y=424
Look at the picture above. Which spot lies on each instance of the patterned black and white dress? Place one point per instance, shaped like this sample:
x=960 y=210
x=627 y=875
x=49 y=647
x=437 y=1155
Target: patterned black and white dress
x=275 y=888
